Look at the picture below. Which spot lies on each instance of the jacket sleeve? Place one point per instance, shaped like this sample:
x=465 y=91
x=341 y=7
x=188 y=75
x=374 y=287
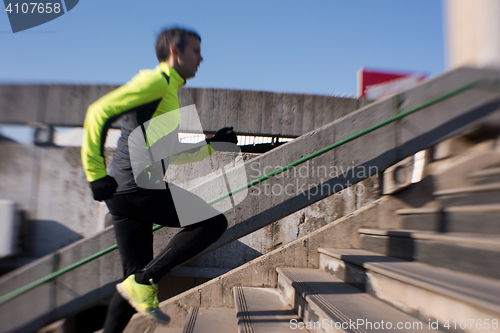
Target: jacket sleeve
x=189 y=153
x=144 y=88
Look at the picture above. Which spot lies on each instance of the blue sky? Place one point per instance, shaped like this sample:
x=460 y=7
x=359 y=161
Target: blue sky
x=313 y=47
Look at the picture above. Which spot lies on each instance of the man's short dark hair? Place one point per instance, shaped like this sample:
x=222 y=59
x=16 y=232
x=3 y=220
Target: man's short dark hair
x=172 y=36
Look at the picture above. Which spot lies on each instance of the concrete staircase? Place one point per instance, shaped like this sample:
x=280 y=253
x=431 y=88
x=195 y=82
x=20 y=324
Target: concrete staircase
x=436 y=270
x=363 y=158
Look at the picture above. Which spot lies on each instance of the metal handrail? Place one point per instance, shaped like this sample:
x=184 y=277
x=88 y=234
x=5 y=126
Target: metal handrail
x=15 y=293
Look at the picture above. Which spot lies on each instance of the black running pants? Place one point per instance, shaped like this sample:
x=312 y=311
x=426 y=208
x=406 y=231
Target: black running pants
x=133 y=216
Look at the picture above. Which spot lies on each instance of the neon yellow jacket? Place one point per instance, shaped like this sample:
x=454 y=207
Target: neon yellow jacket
x=150 y=94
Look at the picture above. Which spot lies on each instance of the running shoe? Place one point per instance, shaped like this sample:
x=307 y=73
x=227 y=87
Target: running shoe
x=144 y=298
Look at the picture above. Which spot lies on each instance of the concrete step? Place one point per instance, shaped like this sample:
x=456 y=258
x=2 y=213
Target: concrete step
x=348 y=264
x=457 y=251
x=427 y=292
x=485 y=176
x=326 y=304
x=480 y=219
x=210 y=320
x=470 y=195
x=265 y=310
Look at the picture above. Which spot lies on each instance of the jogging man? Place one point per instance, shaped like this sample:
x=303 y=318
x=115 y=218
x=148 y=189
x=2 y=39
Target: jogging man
x=134 y=208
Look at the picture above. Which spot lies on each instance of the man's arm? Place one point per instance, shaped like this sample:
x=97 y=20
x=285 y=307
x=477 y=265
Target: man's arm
x=188 y=153
x=142 y=89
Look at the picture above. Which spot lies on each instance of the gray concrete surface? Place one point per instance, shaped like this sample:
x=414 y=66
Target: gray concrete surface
x=446 y=176
x=264 y=310
x=479 y=219
x=211 y=320
x=325 y=304
x=465 y=252
x=9 y=228
x=472 y=33
x=248 y=111
x=426 y=292
x=433 y=293
x=48 y=183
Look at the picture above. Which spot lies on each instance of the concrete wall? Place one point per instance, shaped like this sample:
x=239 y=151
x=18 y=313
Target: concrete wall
x=8 y=228
x=289 y=228
x=472 y=33
x=48 y=182
x=248 y=111
x=49 y=185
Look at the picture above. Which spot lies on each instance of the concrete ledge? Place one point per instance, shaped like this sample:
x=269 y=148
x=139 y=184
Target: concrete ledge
x=492 y=242
x=475 y=219
x=248 y=111
x=485 y=173
x=470 y=189
x=493 y=208
x=425 y=210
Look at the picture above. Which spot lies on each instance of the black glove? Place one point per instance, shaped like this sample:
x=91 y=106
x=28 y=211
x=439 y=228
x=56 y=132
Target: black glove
x=104 y=188
x=225 y=134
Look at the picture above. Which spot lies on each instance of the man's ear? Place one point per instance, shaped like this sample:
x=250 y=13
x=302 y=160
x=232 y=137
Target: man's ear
x=174 y=51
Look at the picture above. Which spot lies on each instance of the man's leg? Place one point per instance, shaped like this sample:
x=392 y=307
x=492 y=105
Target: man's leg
x=135 y=244
x=191 y=240
x=158 y=207
x=186 y=244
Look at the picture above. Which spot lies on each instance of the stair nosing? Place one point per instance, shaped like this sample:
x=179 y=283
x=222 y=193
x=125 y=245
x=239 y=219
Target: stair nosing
x=452 y=238
x=241 y=306
x=191 y=320
x=486 y=208
x=417 y=281
x=485 y=172
x=319 y=302
x=468 y=189
x=271 y=306
x=423 y=281
x=425 y=210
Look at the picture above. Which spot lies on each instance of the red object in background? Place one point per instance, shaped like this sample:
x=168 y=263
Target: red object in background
x=374 y=84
